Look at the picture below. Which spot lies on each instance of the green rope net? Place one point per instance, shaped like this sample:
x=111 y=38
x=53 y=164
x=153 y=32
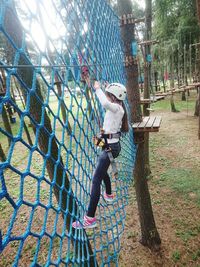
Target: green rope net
x=48 y=117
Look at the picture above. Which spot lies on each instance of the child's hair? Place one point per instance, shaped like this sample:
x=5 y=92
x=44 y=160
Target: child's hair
x=124 y=127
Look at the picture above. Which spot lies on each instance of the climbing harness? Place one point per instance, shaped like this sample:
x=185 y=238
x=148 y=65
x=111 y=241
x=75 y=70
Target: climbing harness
x=108 y=149
x=101 y=140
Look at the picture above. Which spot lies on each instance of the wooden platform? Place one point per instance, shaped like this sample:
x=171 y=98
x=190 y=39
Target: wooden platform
x=146 y=101
x=183 y=88
x=152 y=99
x=161 y=94
x=148 y=124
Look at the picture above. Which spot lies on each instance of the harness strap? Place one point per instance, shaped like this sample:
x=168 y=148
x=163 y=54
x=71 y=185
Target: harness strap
x=111 y=135
x=108 y=148
x=112 y=162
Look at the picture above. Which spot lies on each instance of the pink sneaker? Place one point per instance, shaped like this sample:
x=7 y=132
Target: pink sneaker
x=88 y=222
x=108 y=198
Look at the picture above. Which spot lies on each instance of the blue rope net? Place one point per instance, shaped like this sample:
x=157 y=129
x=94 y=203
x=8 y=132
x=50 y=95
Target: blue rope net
x=48 y=119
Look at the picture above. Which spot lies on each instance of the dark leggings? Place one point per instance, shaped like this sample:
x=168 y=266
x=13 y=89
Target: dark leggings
x=99 y=175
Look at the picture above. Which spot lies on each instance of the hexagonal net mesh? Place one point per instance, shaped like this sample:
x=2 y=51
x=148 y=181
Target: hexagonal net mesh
x=48 y=117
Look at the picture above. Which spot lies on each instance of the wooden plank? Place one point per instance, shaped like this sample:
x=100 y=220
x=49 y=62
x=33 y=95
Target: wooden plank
x=149 y=42
x=147 y=130
x=150 y=122
x=145 y=101
x=157 y=121
x=129 y=19
x=161 y=94
x=196 y=84
x=143 y=122
x=137 y=124
x=144 y=130
x=160 y=97
x=192 y=87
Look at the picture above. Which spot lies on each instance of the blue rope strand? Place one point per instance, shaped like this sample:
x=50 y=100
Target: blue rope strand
x=99 y=46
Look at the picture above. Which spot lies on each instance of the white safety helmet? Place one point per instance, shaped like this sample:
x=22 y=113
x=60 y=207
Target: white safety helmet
x=117 y=89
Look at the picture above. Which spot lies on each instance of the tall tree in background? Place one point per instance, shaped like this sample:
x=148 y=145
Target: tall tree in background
x=175 y=26
x=147 y=77
x=149 y=233
x=198 y=10
x=176 y=20
x=197 y=107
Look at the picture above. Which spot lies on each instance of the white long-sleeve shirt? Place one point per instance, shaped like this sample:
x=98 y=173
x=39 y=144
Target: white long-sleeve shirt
x=113 y=117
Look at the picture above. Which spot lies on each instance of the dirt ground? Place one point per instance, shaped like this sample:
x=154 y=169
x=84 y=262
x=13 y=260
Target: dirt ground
x=176 y=209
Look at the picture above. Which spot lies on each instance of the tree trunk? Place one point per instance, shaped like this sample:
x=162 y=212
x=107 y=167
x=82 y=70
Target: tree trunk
x=2 y=154
x=163 y=78
x=128 y=35
x=147 y=80
x=24 y=124
x=146 y=112
x=156 y=80
x=185 y=65
x=6 y=124
x=196 y=109
x=183 y=96
x=7 y=109
x=199 y=114
x=173 y=108
x=54 y=163
x=198 y=10
x=63 y=110
x=150 y=236
x=172 y=69
x=172 y=103
x=19 y=93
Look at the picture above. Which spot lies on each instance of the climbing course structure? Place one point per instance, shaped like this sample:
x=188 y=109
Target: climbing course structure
x=47 y=152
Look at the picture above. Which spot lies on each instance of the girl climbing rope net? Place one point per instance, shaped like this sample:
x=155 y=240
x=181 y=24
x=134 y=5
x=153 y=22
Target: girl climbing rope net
x=115 y=123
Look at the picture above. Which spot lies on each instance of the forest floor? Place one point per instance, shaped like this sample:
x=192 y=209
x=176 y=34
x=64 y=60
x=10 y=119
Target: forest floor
x=174 y=187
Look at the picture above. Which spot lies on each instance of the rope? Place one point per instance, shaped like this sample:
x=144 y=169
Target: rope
x=52 y=66
x=45 y=184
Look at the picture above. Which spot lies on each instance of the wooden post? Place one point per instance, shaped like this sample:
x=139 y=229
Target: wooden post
x=128 y=35
x=199 y=111
x=149 y=233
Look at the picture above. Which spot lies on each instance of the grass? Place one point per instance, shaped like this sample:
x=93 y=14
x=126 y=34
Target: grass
x=179 y=104
x=196 y=255
x=174 y=161
x=182 y=181
x=176 y=256
x=53 y=104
